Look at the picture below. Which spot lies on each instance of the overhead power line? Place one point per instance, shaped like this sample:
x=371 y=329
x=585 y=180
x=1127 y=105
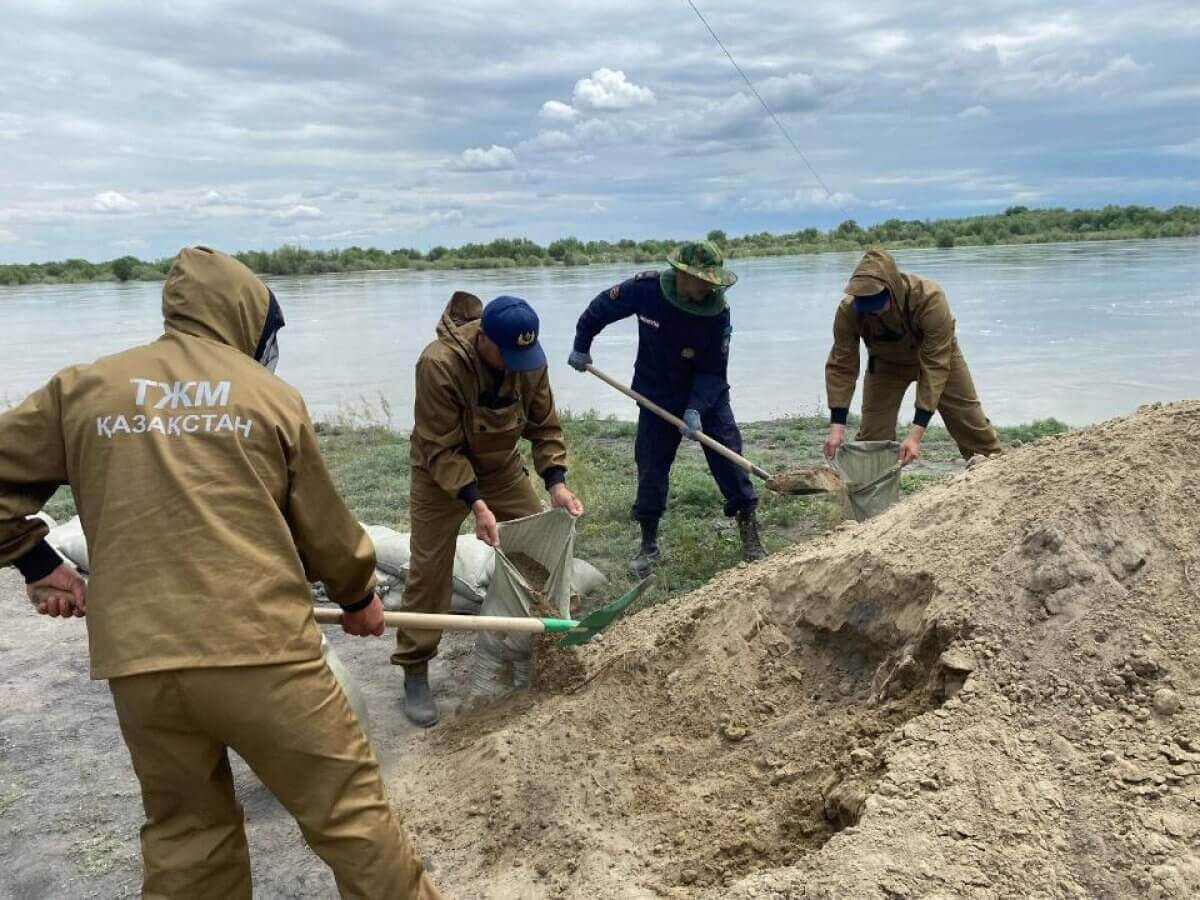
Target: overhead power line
x=774 y=118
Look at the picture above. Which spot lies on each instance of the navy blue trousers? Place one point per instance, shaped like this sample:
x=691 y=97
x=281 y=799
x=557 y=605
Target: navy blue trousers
x=654 y=451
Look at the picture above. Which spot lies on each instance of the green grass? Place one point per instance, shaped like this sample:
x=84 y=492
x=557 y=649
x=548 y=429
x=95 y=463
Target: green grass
x=369 y=463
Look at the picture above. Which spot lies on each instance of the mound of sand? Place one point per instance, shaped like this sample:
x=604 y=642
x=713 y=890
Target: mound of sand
x=989 y=691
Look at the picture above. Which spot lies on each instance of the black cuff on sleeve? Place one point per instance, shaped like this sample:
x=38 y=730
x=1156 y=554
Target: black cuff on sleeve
x=554 y=475
x=359 y=605
x=38 y=562
x=922 y=417
x=470 y=493
x=838 y=415
x=582 y=344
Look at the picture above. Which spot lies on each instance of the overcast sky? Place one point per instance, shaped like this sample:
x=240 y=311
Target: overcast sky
x=138 y=128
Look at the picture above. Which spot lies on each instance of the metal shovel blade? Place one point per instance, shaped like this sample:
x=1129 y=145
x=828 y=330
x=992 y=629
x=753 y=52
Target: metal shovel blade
x=599 y=619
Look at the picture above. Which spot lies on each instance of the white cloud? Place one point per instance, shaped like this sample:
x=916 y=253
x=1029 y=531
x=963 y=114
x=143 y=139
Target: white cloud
x=975 y=112
x=494 y=159
x=301 y=212
x=113 y=202
x=1115 y=68
x=557 y=111
x=601 y=131
x=792 y=93
x=1031 y=37
x=799 y=199
x=553 y=139
x=607 y=89
x=7 y=237
x=1191 y=148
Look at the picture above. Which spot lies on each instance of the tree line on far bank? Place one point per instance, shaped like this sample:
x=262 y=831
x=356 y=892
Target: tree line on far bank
x=1016 y=225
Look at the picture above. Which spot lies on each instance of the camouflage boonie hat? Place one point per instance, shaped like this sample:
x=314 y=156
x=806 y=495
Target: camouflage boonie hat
x=703 y=260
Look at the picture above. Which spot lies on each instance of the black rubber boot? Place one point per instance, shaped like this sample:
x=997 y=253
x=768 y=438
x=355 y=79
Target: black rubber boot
x=752 y=548
x=419 y=705
x=647 y=558
x=648 y=554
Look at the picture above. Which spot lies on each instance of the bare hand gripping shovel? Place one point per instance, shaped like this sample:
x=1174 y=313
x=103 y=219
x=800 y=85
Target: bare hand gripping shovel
x=802 y=480
x=577 y=632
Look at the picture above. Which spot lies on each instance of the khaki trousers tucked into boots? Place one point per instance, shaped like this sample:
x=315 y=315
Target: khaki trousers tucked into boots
x=435 y=520
x=292 y=724
x=959 y=407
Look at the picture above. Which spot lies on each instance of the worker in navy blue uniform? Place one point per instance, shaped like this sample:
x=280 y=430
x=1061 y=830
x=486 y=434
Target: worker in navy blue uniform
x=683 y=354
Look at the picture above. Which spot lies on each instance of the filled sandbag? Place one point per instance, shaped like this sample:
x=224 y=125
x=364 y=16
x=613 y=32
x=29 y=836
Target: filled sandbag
x=545 y=542
x=70 y=543
x=391 y=550
x=474 y=564
x=586 y=579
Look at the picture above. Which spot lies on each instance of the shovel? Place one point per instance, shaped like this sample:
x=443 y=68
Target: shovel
x=577 y=632
x=802 y=480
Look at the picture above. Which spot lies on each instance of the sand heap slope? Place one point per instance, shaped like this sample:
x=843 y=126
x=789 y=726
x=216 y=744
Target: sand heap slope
x=990 y=691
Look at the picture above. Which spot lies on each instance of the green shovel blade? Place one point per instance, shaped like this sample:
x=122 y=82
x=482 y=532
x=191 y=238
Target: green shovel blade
x=599 y=619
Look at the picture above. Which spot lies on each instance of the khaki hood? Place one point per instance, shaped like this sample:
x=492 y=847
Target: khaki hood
x=209 y=294
x=460 y=322
x=876 y=271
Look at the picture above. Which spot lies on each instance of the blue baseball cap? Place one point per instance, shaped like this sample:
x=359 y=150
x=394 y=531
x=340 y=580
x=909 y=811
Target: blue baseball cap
x=872 y=303
x=512 y=325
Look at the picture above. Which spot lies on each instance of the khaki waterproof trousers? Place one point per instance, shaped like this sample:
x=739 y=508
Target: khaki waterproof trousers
x=435 y=520
x=959 y=407
x=292 y=724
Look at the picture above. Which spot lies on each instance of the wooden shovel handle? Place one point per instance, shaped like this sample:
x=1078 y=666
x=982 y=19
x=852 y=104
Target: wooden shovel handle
x=735 y=458
x=326 y=615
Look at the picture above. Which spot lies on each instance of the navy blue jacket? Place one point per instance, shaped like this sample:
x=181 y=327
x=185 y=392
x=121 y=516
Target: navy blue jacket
x=682 y=358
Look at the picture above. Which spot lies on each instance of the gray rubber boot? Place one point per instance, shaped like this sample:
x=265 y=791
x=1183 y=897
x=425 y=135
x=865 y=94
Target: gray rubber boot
x=752 y=548
x=419 y=705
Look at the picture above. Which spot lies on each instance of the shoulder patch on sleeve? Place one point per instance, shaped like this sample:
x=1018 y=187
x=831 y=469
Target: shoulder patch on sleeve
x=614 y=292
x=649 y=273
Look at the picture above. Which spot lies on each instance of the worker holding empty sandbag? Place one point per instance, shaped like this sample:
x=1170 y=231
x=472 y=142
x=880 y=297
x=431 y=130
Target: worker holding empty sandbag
x=207 y=511
x=908 y=329
x=481 y=387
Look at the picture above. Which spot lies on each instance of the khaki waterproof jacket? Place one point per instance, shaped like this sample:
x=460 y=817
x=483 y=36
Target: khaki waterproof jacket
x=917 y=332
x=201 y=489
x=468 y=421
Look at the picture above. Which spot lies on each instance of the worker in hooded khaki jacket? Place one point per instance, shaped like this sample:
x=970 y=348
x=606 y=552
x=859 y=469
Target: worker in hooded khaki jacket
x=481 y=387
x=906 y=325
x=208 y=510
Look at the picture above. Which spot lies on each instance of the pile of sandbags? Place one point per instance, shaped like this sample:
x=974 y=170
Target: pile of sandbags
x=474 y=565
x=474 y=569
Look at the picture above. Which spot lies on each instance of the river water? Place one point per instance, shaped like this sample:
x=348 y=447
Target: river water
x=1082 y=332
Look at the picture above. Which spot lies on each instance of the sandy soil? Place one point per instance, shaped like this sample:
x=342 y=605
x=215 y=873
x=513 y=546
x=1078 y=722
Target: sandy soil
x=990 y=691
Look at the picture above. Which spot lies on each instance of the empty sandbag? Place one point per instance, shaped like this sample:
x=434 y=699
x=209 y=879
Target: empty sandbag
x=871 y=474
